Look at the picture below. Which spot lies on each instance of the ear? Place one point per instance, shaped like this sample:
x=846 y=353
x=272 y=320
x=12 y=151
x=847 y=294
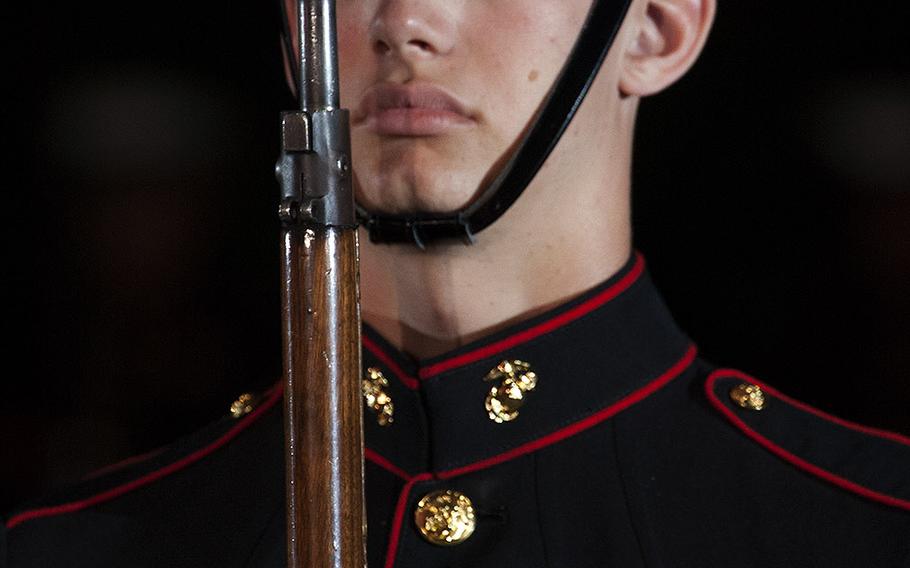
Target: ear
x=668 y=37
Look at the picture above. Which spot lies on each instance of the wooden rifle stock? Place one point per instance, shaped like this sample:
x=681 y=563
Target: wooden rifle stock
x=321 y=312
x=323 y=416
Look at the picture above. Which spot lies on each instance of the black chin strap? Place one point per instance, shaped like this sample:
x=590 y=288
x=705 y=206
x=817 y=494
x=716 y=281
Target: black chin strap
x=562 y=102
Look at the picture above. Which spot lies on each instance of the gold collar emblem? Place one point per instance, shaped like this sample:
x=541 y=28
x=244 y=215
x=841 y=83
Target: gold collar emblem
x=373 y=387
x=515 y=379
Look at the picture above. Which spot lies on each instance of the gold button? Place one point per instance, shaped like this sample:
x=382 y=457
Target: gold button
x=243 y=405
x=445 y=518
x=748 y=396
x=375 y=396
x=515 y=379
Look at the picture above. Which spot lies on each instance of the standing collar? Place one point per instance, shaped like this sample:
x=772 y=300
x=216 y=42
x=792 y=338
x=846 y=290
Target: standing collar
x=592 y=356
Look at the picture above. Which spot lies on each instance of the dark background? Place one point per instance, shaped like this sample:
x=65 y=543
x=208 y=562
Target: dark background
x=772 y=190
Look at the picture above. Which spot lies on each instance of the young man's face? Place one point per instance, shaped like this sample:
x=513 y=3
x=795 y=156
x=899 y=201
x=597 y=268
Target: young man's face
x=440 y=90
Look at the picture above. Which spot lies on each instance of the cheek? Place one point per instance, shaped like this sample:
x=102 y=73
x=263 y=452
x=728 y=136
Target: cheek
x=519 y=51
x=355 y=61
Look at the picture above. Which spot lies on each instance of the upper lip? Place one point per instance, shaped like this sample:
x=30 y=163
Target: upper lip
x=386 y=96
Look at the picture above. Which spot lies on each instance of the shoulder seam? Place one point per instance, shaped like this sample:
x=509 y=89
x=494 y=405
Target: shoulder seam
x=793 y=459
x=272 y=397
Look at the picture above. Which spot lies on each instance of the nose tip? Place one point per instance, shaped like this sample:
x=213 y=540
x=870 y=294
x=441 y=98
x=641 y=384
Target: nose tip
x=412 y=29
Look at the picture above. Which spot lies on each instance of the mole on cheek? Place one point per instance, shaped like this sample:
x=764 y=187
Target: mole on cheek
x=532 y=76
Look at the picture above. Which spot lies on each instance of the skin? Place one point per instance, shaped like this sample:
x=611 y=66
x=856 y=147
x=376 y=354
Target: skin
x=571 y=228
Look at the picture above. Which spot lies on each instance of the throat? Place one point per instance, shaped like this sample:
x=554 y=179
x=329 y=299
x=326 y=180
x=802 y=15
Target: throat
x=414 y=342
x=427 y=303
x=427 y=311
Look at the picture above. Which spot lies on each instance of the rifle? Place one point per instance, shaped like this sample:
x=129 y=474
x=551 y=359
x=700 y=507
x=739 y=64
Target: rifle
x=320 y=310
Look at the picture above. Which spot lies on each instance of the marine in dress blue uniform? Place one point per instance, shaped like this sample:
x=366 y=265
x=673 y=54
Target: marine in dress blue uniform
x=591 y=435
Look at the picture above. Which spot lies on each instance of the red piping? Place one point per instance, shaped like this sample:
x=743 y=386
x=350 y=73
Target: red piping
x=272 y=397
x=124 y=463
x=800 y=463
x=398 y=519
x=149 y=478
x=887 y=435
x=377 y=351
x=514 y=340
x=581 y=425
x=540 y=329
x=557 y=436
x=385 y=464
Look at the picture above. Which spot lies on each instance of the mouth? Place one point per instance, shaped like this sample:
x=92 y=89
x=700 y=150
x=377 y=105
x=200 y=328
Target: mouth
x=411 y=110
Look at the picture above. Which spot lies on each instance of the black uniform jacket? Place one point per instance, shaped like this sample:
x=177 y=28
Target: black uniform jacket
x=629 y=451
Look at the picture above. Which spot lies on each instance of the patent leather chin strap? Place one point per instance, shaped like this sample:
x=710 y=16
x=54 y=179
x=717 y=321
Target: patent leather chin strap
x=562 y=102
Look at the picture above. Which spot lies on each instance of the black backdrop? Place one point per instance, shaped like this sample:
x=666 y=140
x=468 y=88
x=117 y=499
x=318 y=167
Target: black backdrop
x=772 y=198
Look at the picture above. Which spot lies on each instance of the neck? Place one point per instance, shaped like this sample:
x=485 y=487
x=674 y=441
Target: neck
x=429 y=302
x=569 y=231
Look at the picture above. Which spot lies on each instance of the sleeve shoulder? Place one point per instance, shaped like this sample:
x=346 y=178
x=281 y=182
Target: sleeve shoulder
x=869 y=462
x=156 y=505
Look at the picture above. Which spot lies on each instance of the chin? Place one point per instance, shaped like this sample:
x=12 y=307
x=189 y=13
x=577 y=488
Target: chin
x=432 y=190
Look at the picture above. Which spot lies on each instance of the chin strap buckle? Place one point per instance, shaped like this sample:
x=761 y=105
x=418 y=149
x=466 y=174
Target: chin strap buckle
x=417 y=230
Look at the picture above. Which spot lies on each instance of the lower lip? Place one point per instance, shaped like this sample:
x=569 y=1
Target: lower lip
x=417 y=122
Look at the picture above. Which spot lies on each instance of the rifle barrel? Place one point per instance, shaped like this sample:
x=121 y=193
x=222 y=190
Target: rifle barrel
x=318 y=86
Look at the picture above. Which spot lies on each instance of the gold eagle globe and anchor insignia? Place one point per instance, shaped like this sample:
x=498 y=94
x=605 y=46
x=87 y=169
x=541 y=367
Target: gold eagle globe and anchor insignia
x=373 y=387
x=749 y=396
x=515 y=379
x=244 y=404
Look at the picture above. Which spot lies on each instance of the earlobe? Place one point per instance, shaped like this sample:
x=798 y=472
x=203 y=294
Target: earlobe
x=669 y=37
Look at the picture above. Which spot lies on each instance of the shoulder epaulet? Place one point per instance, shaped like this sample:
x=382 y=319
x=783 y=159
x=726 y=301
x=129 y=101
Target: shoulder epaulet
x=869 y=462
x=138 y=472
